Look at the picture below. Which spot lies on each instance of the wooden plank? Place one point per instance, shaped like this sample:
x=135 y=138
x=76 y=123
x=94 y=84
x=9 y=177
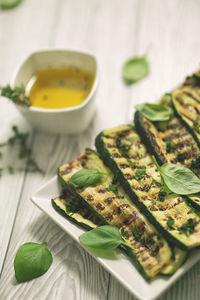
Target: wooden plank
x=18 y=37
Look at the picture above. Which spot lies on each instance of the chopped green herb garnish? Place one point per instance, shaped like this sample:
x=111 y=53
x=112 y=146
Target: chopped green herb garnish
x=187 y=228
x=153 y=202
x=159 y=236
x=136 y=234
x=169 y=147
x=83 y=163
x=124 y=233
x=140 y=172
x=16 y=94
x=170 y=222
x=195 y=164
x=113 y=188
x=145 y=240
x=156 y=182
x=162 y=194
x=70 y=206
x=181 y=157
x=154 y=248
x=121 y=146
x=196 y=127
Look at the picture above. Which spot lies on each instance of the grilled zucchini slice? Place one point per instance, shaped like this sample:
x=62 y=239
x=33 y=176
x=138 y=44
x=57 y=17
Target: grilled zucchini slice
x=122 y=150
x=186 y=102
x=74 y=210
x=151 y=251
x=175 y=145
x=178 y=259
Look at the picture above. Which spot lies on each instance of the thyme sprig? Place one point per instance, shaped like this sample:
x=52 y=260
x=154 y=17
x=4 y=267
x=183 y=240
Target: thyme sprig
x=20 y=139
x=16 y=94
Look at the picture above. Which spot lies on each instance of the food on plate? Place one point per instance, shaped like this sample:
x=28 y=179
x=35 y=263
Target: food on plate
x=113 y=206
x=140 y=178
x=123 y=185
x=60 y=88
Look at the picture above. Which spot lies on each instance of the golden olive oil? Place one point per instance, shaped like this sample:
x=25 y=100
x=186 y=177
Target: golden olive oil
x=60 y=88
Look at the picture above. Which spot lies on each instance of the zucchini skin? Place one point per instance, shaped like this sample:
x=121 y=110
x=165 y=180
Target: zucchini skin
x=187 y=109
x=127 y=251
x=155 y=147
x=112 y=164
x=178 y=259
x=68 y=217
x=156 y=260
x=146 y=138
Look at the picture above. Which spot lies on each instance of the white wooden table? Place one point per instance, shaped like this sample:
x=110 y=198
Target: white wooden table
x=114 y=30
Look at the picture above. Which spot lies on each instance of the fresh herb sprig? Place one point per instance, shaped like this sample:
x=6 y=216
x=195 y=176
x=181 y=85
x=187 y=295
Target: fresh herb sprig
x=187 y=228
x=85 y=177
x=140 y=172
x=105 y=237
x=121 y=146
x=178 y=179
x=20 y=139
x=31 y=261
x=16 y=94
x=155 y=112
x=135 y=69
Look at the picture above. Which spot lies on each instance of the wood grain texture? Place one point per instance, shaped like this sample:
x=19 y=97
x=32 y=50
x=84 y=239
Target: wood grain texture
x=113 y=31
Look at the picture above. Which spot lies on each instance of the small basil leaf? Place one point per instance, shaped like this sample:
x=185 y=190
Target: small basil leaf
x=178 y=179
x=85 y=177
x=7 y=4
x=103 y=238
x=154 y=112
x=31 y=261
x=135 y=69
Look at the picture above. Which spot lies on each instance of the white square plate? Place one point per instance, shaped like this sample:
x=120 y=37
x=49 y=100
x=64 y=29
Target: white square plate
x=120 y=266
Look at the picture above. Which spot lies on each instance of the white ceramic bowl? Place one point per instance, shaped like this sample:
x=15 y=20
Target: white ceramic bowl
x=72 y=120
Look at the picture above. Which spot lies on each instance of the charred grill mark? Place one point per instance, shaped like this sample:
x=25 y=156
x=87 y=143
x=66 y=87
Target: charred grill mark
x=109 y=200
x=109 y=136
x=129 y=176
x=100 y=207
x=184 y=143
x=187 y=117
x=192 y=96
x=109 y=217
x=178 y=135
x=115 y=155
x=110 y=146
x=90 y=198
x=124 y=166
x=121 y=208
x=197 y=110
x=65 y=171
x=102 y=191
x=169 y=206
x=124 y=133
x=173 y=126
x=131 y=218
x=144 y=188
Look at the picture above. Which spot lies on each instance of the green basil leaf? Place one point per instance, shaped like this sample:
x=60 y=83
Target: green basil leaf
x=7 y=4
x=102 y=238
x=178 y=179
x=135 y=69
x=31 y=261
x=85 y=177
x=154 y=112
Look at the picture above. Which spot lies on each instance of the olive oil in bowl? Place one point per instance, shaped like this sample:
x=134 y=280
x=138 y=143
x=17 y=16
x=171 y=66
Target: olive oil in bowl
x=60 y=87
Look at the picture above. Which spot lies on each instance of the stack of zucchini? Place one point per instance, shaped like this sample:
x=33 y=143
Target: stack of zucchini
x=130 y=195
